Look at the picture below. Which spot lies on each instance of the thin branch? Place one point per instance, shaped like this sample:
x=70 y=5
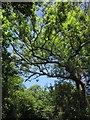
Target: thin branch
x=78 y=50
x=42 y=73
x=20 y=55
x=50 y=51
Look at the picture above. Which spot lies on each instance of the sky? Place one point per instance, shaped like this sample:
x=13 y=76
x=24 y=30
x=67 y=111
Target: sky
x=43 y=81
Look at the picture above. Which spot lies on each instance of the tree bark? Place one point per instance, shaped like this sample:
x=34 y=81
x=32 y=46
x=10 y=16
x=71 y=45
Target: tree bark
x=80 y=87
x=81 y=92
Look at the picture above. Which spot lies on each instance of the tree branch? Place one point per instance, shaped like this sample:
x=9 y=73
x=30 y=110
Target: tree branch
x=78 y=50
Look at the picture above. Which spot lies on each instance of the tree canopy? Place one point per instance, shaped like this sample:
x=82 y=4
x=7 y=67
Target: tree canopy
x=54 y=40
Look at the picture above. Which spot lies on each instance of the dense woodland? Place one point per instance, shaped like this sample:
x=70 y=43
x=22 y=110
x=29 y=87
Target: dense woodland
x=46 y=39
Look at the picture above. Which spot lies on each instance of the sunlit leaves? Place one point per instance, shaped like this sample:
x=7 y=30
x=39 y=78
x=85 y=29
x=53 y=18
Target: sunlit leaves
x=50 y=38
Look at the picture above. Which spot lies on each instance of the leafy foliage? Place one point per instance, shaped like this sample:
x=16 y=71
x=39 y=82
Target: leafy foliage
x=52 y=41
x=45 y=40
x=66 y=101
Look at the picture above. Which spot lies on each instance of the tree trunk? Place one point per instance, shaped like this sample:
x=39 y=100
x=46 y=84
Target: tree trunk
x=80 y=87
x=81 y=92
